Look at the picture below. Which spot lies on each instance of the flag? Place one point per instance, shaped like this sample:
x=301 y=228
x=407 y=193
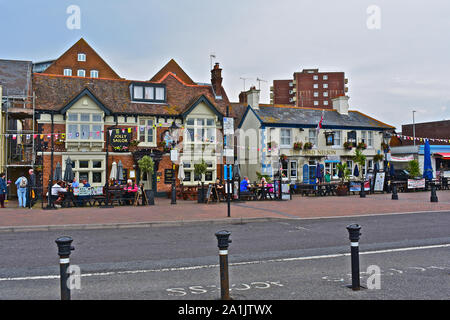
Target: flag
x=319 y=125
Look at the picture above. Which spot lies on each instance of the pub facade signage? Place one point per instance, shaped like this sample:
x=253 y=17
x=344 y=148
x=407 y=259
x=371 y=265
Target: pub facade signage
x=120 y=140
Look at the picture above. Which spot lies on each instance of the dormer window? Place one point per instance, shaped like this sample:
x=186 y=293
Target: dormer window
x=143 y=92
x=81 y=57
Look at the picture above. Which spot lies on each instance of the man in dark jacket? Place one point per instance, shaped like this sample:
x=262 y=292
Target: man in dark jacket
x=31 y=199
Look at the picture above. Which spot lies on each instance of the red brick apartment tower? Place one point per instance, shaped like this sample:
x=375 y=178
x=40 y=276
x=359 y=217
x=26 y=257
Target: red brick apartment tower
x=309 y=88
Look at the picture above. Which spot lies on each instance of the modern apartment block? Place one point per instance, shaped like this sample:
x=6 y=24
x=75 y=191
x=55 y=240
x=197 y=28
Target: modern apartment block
x=309 y=88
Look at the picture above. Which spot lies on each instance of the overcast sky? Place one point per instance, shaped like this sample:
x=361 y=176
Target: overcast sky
x=395 y=64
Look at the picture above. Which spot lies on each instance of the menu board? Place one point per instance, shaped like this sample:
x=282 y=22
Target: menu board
x=379 y=182
x=168 y=176
x=87 y=191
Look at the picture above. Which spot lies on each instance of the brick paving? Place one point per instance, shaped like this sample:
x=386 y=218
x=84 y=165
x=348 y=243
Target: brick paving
x=184 y=211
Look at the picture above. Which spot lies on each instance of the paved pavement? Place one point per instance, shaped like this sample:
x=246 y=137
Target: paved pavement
x=185 y=212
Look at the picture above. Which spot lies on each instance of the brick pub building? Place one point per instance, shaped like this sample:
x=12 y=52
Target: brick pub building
x=79 y=110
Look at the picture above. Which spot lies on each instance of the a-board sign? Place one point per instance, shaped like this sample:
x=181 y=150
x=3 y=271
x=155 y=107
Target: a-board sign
x=379 y=181
x=168 y=176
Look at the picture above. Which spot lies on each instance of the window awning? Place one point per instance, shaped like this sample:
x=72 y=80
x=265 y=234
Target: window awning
x=444 y=155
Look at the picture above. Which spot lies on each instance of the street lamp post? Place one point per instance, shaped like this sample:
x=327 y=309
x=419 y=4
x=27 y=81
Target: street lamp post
x=173 y=131
x=414 y=129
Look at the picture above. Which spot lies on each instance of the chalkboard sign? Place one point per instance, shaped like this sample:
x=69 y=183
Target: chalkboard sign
x=168 y=176
x=149 y=197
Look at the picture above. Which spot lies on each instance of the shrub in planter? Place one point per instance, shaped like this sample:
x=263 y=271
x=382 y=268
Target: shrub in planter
x=307 y=146
x=342 y=189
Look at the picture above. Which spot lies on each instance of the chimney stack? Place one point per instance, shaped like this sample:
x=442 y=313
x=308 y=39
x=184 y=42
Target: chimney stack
x=253 y=98
x=216 y=80
x=340 y=104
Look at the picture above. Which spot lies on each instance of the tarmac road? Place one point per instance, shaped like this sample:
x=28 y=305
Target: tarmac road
x=285 y=259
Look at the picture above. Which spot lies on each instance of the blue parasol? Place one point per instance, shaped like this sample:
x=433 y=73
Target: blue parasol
x=427 y=168
x=356 y=171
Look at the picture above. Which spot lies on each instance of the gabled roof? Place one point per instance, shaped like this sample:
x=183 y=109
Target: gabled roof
x=15 y=77
x=85 y=92
x=288 y=116
x=54 y=92
x=81 y=46
x=199 y=100
x=172 y=67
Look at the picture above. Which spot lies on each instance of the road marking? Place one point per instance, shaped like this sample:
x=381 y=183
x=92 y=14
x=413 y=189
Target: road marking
x=328 y=256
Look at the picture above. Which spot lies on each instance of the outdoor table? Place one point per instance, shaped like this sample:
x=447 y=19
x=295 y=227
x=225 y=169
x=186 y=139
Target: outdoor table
x=261 y=193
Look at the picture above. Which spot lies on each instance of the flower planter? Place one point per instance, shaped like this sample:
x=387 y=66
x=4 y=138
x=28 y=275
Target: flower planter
x=342 y=190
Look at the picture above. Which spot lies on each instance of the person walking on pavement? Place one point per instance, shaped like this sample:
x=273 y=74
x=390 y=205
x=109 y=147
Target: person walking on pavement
x=3 y=189
x=31 y=194
x=22 y=184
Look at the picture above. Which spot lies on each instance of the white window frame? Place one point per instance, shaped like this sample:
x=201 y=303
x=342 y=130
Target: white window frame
x=200 y=131
x=94 y=73
x=90 y=136
x=316 y=94
x=370 y=139
x=67 y=72
x=316 y=103
x=325 y=85
x=90 y=170
x=82 y=57
x=283 y=136
x=337 y=138
x=325 y=77
x=325 y=94
x=143 y=130
x=325 y=102
x=81 y=71
x=315 y=77
x=312 y=136
x=315 y=86
x=188 y=166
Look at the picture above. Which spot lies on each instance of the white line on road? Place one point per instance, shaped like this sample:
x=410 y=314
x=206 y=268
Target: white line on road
x=328 y=256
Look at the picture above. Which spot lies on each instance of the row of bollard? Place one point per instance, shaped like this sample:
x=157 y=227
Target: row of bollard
x=433 y=197
x=223 y=240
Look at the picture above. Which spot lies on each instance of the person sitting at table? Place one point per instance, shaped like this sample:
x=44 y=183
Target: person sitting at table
x=85 y=183
x=56 y=189
x=131 y=190
x=75 y=183
x=244 y=185
x=263 y=182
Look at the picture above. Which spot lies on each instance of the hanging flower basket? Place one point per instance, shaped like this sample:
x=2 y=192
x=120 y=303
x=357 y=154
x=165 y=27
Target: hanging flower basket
x=298 y=146
x=348 y=145
x=361 y=146
x=283 y=157
x=307 y=146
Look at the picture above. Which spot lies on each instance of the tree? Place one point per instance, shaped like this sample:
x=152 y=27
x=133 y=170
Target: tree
x=360 y=159
x=200 y=169
x=413 y=169
x=146 y=165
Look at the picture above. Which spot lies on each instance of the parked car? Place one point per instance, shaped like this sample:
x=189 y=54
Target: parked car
x=401 y=175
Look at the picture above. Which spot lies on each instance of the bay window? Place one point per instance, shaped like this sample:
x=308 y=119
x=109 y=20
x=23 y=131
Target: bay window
x=84 y=126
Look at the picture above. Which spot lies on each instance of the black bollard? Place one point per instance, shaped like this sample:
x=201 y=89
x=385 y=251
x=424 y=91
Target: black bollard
x=64 y=249
x=394 y=192
x=223 y=241
x=434 y=197
x=354 y=234
x=362 y=193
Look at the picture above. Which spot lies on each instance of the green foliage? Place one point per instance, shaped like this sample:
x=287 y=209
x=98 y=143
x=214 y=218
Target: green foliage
x=360 y=159
x=378 y=157
x=413 y=168
x=345 y=172
x=146 y=165
x=200 y=168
